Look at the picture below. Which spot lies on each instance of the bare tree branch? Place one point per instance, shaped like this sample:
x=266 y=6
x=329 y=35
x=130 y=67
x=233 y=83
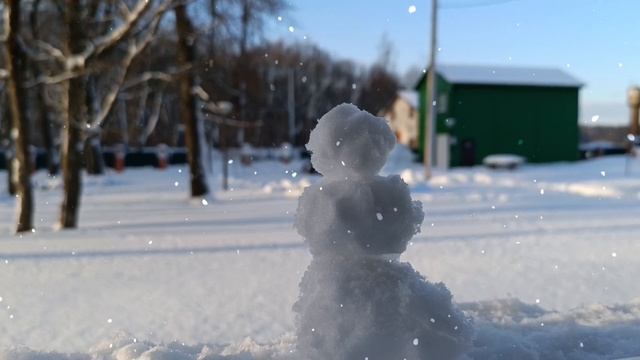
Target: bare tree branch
x=164 y=76
x=209 y=106
x=233 y=122
x=114 y=37
x=153 y=118
x=134 y=49
x=49 y=50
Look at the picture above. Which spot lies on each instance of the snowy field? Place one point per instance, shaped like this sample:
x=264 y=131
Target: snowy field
x=545 y=259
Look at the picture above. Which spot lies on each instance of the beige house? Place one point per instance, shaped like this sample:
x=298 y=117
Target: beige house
x=402 y=114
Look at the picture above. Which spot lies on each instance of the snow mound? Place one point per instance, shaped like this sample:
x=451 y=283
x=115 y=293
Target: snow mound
x=503 y=161
x=128 y=348
x=511 y=329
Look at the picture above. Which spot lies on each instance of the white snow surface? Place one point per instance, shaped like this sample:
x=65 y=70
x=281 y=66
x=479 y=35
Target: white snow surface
x=544 y=259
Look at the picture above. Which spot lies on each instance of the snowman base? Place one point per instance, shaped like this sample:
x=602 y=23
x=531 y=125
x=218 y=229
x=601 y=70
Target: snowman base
x=375 y=308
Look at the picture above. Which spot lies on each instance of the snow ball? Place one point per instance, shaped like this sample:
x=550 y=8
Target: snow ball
x=416 y=342
x=342 y=212
x=109 y=320
x=412 y=9
x=205 y=202
x=279 y=18
x=291 y=29
x=230 y=162
x=366 y=141
x=613 y=254
x=0 y=298
x=595 y=118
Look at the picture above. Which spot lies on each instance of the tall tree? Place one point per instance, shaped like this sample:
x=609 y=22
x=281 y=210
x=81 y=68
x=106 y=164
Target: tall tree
x=85 y=55
x=43 y=114
x=188 y=105
x=15 y=62
x=74 y=120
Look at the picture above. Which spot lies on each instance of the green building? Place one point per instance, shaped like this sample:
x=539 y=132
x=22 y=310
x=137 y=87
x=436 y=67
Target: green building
x=483 y=111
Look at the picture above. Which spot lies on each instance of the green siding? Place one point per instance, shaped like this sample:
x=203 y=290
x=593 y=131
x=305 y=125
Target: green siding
x=538 y=123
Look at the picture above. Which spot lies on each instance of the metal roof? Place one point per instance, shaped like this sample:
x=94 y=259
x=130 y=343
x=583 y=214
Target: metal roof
x=501 y=75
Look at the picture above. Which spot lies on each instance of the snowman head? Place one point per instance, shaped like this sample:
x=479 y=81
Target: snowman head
x=349 y=143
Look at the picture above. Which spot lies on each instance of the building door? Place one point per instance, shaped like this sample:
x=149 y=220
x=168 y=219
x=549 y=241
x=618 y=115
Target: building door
x=468 y=148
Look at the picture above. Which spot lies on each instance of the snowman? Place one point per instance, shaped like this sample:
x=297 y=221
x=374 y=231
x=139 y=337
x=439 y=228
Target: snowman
x=357 y=300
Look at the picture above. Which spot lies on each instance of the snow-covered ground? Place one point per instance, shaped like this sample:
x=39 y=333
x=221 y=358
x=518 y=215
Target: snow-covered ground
x=544 y=258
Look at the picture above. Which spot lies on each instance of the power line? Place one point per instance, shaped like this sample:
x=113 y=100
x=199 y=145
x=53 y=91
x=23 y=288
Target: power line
x=468 y=4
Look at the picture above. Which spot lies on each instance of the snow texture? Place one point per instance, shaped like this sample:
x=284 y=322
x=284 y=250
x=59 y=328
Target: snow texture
x=357 y=300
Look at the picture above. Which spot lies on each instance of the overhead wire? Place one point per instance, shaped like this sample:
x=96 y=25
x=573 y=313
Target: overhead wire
x=471 y=4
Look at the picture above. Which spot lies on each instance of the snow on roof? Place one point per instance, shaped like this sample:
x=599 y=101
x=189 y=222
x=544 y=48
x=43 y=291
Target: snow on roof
x=500 y=75
x=410 y=96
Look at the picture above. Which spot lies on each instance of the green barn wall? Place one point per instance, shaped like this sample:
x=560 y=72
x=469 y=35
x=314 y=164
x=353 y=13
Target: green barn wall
x=538 y=123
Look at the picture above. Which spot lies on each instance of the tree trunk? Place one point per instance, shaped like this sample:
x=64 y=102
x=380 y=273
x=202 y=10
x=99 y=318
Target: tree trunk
x=73 y=123
x=11 y=179
x=45 y=123
x=43 y=114
x=188 y=108
x=93 y=157
x=15 y=61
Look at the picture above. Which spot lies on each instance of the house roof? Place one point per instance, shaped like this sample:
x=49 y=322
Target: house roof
x=502 y=75
x=410 y=96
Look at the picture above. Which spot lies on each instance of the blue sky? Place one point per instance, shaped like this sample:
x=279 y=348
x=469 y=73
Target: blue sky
x=597 y=41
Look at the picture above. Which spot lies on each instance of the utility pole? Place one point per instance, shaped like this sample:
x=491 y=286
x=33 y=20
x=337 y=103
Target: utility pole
x=431 y=96
x=634 y=104
x=291 y=103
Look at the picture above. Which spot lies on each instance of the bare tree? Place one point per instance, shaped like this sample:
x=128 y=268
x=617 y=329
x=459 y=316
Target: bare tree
x=81 y=57
x=188 y=105
x=15 y=63
x=74 y=120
